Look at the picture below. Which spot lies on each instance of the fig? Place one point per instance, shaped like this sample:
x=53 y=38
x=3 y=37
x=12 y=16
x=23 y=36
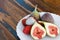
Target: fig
x=37 y=31
x=35 y=13
x=41 y=23
x=47 y=17
x=51 y=29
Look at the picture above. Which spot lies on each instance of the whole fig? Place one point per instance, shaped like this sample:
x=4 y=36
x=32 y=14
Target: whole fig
x=47 y=17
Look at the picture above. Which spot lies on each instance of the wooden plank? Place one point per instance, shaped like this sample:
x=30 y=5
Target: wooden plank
x=2 y=35
x=11 y=13
x=1 y=16
x=1 y=4
x=32 y=5
x=6 y=33
x=46 y=5
x=7 y=19
x=15 y=11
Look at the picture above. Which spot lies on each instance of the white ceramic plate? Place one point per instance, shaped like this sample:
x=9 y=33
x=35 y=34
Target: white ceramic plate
x=22 y=36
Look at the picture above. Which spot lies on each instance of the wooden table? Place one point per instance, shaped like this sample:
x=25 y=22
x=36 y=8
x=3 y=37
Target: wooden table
x=10 y=13
x=46 y=5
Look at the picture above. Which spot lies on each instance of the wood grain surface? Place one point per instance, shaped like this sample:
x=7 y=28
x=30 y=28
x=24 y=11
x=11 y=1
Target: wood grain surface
x=46 y=5
x=10 y=14
x=7 y=35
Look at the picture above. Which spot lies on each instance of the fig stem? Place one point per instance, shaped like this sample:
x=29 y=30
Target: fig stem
x=36 y=13
x=35 y=8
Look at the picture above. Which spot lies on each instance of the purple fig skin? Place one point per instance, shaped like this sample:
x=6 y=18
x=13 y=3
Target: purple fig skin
x=47 y=17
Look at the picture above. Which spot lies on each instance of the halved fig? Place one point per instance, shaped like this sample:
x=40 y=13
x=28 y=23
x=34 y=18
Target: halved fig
x=51 y=29
x=37 y=31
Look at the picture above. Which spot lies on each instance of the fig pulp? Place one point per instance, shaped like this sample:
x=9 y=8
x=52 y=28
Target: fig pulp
x=51 y=29
x=37 y=31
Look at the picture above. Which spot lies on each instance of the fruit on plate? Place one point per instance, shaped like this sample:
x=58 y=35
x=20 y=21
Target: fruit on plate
x=35 y=13
x=37 y=31
x=51 y=29
x=24 y=22
x=30 y=21
x=27 y=30
x=41 y=23
x=47 y=17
